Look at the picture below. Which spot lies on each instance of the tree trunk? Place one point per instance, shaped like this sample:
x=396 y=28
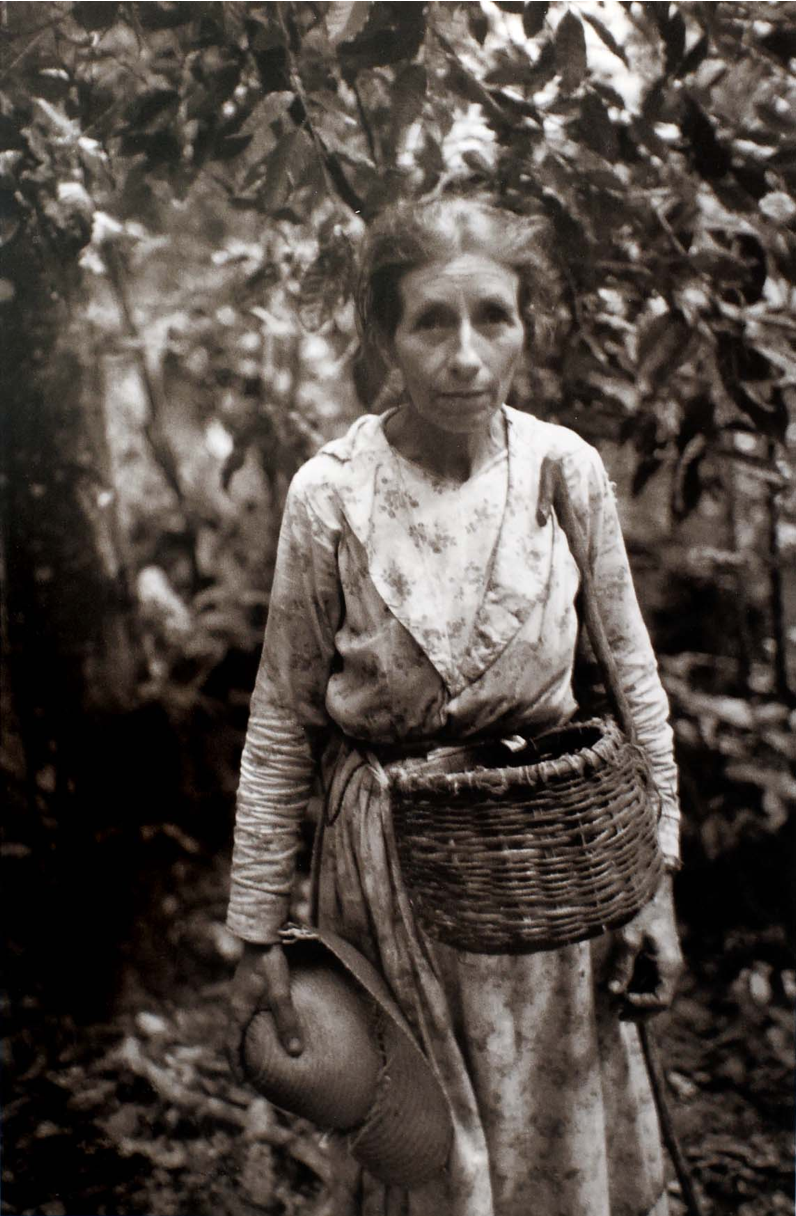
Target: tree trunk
x=72 y=652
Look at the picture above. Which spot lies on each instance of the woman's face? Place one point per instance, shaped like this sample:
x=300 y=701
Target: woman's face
x=459 y=340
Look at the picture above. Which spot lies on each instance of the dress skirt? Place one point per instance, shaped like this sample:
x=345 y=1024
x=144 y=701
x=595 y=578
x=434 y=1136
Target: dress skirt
x=552 y=1108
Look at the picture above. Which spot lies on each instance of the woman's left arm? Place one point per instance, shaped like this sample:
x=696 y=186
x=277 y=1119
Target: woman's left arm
x=647 y=959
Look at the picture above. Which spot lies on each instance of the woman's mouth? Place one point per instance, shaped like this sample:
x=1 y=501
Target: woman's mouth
x=464 y=395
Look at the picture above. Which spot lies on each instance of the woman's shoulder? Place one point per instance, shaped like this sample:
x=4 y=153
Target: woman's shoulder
x=535 y=440
x=329 y=475
x=542 y=439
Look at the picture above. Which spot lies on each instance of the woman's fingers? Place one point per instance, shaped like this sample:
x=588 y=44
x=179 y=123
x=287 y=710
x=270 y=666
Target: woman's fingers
x=261 y=981
x=280 y=1003
x=623 y=963
x=667 y=963
x=647 y=959
x=655 y=983
x=246 y=995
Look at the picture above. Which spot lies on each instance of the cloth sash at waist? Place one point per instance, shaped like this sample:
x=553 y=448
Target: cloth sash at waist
x=345 y=756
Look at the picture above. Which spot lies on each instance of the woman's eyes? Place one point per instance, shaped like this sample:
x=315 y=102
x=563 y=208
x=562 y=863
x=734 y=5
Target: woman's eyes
x=435 y=318
x=487 y=315
x=495 y=314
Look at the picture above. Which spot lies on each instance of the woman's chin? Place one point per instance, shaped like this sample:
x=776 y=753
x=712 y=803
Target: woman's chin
x=463 y=415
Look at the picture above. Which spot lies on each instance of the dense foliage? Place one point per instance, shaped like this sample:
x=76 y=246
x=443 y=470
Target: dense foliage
x=182 y=186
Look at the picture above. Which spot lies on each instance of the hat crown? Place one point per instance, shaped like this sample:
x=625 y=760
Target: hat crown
x=361 y=1071
x=333 y=1081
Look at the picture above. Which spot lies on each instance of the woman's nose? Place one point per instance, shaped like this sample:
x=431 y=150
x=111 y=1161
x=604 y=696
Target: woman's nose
x=465 y=361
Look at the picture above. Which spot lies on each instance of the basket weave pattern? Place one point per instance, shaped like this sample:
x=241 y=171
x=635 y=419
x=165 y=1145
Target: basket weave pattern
x=557 y=845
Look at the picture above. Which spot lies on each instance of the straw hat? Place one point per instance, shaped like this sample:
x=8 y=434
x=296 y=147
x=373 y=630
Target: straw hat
x=361 y=1071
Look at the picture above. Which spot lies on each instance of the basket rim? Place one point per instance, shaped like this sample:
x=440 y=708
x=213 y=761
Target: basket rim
x=407 y=777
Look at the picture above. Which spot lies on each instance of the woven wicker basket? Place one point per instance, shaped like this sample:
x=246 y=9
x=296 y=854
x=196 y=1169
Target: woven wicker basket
x=511 y=852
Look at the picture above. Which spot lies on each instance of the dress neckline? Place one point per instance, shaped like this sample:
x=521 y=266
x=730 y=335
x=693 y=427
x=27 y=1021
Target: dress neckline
x=449 y=483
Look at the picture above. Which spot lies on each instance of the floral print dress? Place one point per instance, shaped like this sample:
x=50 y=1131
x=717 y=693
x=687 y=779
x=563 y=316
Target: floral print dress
x=406 y=608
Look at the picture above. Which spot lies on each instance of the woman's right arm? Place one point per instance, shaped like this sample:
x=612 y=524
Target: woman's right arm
x=277 y=766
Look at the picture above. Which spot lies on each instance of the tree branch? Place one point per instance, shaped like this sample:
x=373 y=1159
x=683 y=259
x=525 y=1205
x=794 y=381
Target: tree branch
x=366 y=127
x=485 y=97
x=329 y=162
x=776 y=592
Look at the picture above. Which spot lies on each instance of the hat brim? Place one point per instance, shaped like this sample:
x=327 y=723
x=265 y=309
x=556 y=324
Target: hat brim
x=405 y=1136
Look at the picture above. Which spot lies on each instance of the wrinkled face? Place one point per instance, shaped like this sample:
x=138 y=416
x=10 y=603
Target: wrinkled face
x=459 y=340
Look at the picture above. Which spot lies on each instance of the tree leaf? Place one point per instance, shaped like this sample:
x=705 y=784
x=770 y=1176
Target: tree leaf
x=749 y=249
x=477 y=22
x=273 y=68
x=263 y=32
x=393 y=33
x=781 y=43
x=510 y=69
x=151 y=105
x=345 y=19
x=653 y=100
x=51 y=83
x=570 y=48
x=533 y=15
x=644 y=470
x=733 y=197
x=687 y=487
x=606 y=36
x=461 y=82
x=430 y=159
x=543 y=69
x=569 y=231
x=710 y=158
x=407 y=99
x=11 y=137
x=595 y=128
x=326 y=282
x=674 y=41
x=283 y=167
x=476 y=161
x=159 y=147
x=222 y=81
x=231 y=146
x=695 y=56
x=517 y=107
x=662 y=346
x=752 y=178
x=166 y=15
x=658 y=12
x=698 y=418
x=784 y=255
x=95 y=16
x=771 y=418
x=609 y=94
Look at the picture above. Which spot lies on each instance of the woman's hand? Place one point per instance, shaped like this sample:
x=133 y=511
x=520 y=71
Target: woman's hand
x=261 y=981
x=647 y=960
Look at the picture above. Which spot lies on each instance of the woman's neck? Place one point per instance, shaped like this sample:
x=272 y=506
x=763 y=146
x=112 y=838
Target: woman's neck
x=453 y=455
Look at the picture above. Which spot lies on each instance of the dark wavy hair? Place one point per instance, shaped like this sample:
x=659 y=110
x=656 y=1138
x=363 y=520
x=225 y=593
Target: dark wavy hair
x=409 y=235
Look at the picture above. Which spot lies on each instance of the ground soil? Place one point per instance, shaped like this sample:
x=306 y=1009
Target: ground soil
x=135 y=1113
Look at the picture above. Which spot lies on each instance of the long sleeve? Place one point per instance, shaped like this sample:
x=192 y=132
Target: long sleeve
x=288 y=706
x=631 y=646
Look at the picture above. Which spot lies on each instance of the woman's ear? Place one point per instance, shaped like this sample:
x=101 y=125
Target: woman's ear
x=385 y=349
x=378 y=383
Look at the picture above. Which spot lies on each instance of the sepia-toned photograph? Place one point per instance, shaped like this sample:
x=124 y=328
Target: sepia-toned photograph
x=398 y=607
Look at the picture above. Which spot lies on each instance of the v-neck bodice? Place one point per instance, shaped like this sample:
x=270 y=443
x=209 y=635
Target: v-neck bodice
x=454 y=529
x=357 y=636
x=526 y=555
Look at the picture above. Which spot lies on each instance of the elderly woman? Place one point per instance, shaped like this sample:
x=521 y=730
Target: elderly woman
x=418 y=599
